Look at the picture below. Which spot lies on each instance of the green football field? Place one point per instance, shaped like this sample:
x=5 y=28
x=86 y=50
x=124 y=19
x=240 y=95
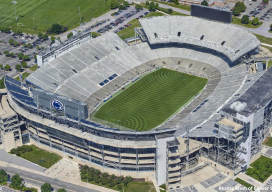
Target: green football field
x=151 y=100
x=48 y=12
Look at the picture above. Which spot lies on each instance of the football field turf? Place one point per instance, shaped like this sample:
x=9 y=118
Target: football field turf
x=48 y=12
x=151 y=100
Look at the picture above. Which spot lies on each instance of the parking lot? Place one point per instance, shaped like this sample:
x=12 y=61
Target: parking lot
x=34 y=41
x=119 y=21
x=259 y=9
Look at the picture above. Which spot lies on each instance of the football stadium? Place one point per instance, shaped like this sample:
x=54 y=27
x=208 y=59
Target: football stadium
x=181 y=99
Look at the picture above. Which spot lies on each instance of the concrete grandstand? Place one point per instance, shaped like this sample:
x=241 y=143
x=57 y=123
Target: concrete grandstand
x=84 y=71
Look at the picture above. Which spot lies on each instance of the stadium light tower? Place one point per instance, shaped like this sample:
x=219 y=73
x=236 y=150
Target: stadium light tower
x=14 y=2
x=79 y=14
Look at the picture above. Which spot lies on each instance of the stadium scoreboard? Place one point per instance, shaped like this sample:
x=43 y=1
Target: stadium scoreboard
x=211 y=13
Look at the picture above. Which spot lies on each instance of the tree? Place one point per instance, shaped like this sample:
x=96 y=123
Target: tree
x=29 y=45
x=170 y=11
x=46 y=187
x=121 y=7
x=126 y=4
x=11 y=54
x=20 y=55
x=61 y=190
x=7 y=67
x=151 y=6
x=113 y=4
x=138 y=7
x=11 y=41
x=45 y=36
x=1 y=67
x=25 y=57
x=6 y=53
x=265 y=1
x=56 y=28
x=24 y=64
x=205 y=3
x=18 y=67
x=236 y=11
x=70 y=35
x=40 y=35
x=147 y=3
x=245 y=19
x=37 y=47
x=176 y=2
x=3 y=177
x=157 y=5
x=16 y=181
x=53 y=39
x=16 y=43
x=255 y=21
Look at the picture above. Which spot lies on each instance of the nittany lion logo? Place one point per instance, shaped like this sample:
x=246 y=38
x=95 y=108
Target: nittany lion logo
x=57 y=105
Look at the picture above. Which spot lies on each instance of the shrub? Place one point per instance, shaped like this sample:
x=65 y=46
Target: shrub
x=119 y=186
x=111 y=184
x=97 y=179
x=105 y=174
x=13 y=151
x=104 y=181
x=125 y=182
x=83 y=176
x=91 y=169
x=121 y=178
x=129 y=179
x=97 y=172
x=112 y=177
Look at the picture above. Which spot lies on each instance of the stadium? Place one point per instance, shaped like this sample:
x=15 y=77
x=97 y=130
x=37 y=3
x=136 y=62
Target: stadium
x=190 y=76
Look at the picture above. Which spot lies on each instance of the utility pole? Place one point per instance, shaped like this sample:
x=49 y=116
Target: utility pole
x=33 y=23
x=79 y=14
x=14 y=2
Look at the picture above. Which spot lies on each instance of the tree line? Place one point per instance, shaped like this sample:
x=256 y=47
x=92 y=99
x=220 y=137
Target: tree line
x=18 y=184
x=91 y=175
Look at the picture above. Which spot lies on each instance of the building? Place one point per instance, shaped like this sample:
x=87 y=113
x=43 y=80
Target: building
x=51 y=110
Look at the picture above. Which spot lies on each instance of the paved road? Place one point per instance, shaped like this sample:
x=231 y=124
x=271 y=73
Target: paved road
x=39 y=180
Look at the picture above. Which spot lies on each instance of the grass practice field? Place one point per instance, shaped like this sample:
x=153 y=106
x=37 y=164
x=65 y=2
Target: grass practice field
x=151 y=100
x=48 y=12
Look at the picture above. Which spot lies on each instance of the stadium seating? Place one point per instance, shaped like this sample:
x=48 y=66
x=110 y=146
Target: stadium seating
x=18 y=92
x=192 y=30
x=86 y=72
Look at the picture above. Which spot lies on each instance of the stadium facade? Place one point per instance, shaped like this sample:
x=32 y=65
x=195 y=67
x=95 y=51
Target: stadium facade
x=224 y=126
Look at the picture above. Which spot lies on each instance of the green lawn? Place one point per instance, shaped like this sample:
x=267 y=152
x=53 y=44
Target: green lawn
x=264 y=39
x=180 y=6
x=24 y=75
x=261 y=169
x=34 y=68
x=48 y=12
x=268 y=140
x=151 y=100
x=140 y=187
x=131 y=187
x=237 y=21
x=242 y=182
x=41 y=157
